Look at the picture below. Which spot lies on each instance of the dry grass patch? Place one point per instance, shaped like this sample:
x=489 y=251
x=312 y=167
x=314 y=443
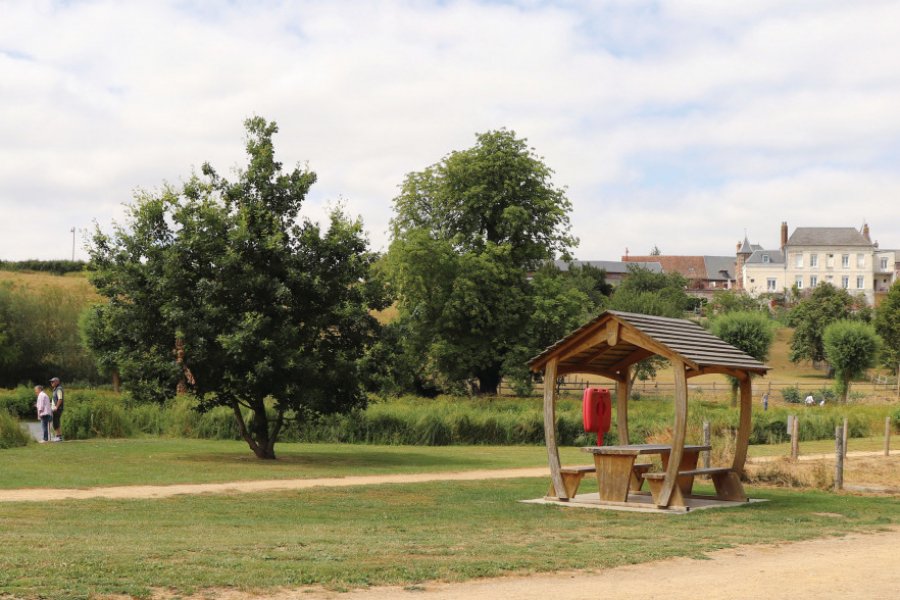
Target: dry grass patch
x=881 y=471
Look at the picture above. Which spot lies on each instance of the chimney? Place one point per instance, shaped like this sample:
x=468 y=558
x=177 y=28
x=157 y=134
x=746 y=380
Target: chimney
x=865 y=232
x=784 y=234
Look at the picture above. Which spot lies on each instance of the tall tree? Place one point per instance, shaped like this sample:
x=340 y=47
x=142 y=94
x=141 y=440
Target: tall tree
x=221 y=287
x=749 y=331
x=851 y=347
x=887 y=324
x=809 y=318
x=467 y=231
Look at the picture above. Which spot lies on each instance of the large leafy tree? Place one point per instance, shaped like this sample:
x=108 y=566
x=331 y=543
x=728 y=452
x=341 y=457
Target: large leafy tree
x=467 y=231
x=749 y=331
x=887 y=324
x=809 y=318
x=221 y=287
x=851 y=347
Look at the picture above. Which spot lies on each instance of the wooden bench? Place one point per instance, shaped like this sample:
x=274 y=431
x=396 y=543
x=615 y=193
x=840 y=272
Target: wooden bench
x=572 y=477
x=726 y=481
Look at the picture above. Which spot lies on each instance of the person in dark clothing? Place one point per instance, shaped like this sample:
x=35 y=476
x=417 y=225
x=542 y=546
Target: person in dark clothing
x=57 y=401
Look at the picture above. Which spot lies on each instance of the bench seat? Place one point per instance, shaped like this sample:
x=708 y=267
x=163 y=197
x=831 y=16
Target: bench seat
x=572 y=477
x=726 y=481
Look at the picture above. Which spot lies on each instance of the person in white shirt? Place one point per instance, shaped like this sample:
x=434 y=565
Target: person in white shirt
x=44 y=411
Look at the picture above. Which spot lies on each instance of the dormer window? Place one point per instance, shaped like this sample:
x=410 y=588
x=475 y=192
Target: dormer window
x=765 y=258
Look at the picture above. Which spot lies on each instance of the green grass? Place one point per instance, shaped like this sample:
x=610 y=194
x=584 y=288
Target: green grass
x=167 y=461
x=389 y=534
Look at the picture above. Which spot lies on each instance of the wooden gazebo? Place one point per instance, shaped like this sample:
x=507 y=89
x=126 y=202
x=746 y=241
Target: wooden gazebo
x=610 y=345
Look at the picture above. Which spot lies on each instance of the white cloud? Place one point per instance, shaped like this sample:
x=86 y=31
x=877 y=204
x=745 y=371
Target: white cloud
x=678 y=124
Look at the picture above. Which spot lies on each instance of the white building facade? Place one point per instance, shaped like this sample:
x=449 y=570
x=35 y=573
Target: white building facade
x=841 y=256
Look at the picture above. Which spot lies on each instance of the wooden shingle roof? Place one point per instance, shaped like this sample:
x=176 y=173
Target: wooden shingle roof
x=615 y=340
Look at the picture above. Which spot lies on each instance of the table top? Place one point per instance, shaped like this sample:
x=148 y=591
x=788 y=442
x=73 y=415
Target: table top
x=637 y=449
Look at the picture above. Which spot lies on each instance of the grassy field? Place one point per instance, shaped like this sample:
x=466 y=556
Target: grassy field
x=390 y=534
x=167 y=461
x=72 y=284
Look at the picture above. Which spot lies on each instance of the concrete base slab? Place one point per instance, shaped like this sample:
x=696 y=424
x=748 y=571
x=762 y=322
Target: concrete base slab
x=641 y=502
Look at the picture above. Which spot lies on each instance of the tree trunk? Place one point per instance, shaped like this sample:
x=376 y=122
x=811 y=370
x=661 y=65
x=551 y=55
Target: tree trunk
x=116 y=381
x=257 y=436
x=489 y=381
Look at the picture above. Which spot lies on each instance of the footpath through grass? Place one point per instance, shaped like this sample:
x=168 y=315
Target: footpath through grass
x=368 y=535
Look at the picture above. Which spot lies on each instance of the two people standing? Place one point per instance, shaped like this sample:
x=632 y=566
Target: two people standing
x=49 y=410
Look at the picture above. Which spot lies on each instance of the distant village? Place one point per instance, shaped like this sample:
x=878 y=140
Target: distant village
x=844 y=257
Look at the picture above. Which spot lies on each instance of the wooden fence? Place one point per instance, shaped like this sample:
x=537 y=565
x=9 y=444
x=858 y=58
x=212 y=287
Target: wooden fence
x=574 y=386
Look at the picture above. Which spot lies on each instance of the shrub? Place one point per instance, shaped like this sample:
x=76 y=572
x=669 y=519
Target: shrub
x=792 y=394
x=99 y=417
x=19 y=402
x=11 y=433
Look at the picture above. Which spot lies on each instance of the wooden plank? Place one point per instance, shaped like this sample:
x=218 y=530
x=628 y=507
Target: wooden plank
x=550 y=429
x=614 y=476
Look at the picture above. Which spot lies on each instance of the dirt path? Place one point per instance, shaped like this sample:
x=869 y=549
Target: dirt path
x=855 y=566
x=164 y=491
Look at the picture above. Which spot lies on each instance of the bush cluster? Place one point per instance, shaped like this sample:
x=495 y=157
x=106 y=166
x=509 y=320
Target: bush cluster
x=11 y=433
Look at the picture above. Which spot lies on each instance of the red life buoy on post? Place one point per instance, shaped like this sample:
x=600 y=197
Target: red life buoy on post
x=596 y=408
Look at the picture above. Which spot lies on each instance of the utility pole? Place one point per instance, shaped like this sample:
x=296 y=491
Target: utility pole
x=73 y=244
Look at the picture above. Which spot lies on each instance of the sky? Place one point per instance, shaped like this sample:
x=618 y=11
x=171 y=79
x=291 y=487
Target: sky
x=683 y=125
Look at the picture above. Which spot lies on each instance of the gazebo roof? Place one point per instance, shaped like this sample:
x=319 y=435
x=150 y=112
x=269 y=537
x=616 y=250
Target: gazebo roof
x=616 y=340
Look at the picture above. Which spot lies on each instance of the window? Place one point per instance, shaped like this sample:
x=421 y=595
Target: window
x=884 y=262
x=845 y=282
x=798 y=259
x=765 y=258
x=813 y=281
x=799 y=282
x=814 y=260
x=771 y=285
x=845 y=261
x=829 y=261
x=860 y=282
x=860 y=261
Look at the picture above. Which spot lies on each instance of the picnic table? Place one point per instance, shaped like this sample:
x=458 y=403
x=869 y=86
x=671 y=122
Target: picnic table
x=617 y=473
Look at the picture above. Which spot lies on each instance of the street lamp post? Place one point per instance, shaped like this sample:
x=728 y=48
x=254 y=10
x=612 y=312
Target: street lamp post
x=73 y=244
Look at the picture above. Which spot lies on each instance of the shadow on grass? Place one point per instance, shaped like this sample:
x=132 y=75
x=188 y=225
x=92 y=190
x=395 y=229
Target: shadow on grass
x=366 y=458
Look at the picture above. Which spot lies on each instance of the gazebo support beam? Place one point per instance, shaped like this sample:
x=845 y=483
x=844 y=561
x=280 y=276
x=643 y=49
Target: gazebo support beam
x=678 y=435
x=623 y=390
x=550 y=428
x=743 y=434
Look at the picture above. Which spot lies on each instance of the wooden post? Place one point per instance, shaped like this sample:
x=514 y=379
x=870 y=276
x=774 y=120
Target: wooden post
x=844 y=437
x=678 y=435
x=623 y=389
x=887 y=436
x=742 y=437
x=550 y=428
x=706 y=443
x=839 y=456
x=795 y=437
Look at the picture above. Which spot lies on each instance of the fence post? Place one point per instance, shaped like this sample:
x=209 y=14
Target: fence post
x=844 y=437
x=887 y=436
x=795 y=437
x=706 y=443
x=839 y=455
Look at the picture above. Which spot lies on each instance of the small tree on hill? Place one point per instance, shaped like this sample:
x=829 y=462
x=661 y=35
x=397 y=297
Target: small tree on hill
x=809 y=318
x=750 y=332
x=221 y=288
x=851 y=347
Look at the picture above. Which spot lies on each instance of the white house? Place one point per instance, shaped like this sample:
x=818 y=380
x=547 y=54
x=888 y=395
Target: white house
x=842 y=256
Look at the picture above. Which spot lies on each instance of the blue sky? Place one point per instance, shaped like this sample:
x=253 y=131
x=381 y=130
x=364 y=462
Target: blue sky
x=678 y=124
